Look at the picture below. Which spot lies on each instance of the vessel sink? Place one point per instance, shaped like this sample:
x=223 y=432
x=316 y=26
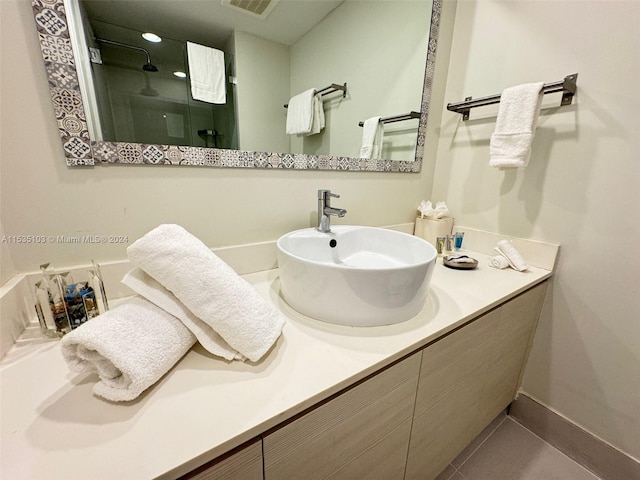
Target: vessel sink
x=358 y=276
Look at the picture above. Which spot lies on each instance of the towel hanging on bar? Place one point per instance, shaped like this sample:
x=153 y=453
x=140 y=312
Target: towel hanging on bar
x=567 y=87
x=334 y=87
x=397 y=118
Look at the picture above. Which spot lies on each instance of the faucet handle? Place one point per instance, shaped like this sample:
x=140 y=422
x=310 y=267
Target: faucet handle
x=324 y=194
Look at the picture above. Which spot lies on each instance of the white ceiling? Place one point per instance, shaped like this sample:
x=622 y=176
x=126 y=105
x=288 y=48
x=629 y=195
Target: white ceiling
x=208 y=21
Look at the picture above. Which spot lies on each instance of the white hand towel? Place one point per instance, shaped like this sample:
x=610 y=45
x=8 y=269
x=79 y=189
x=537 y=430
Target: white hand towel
x=510 y=145
x=207 y=72
x=372 y=133
x=209 y=288
x=318 y=123
x=499 y=262
x=512 y=255
x=130 y=347
x=300 y=112
x=145 y=286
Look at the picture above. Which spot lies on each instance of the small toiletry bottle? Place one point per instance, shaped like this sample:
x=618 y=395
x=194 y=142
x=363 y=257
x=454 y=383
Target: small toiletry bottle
x=440 y=245
x=458 y=240
x=448 y=244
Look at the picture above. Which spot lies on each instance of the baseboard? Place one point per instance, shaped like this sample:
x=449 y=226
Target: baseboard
x=602 y=459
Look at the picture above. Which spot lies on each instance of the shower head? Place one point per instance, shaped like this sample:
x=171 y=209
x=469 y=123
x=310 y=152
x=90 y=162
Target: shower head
x=147 y=67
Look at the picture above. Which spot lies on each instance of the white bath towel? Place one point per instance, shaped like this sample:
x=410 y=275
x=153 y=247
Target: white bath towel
x=209 y=288
x=207 y=73
x=130 y=347
x=301 y=112
x=145 y=286
x=510 y=145
x=372 y=137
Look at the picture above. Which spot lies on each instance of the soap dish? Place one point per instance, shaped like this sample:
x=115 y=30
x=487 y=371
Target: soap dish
x=460 y=262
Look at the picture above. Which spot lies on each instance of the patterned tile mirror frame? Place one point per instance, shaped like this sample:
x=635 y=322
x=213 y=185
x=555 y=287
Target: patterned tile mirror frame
x=80 y=150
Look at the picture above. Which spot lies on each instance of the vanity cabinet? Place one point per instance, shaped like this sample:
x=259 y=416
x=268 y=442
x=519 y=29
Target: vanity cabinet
x=361 y=433
x=243 y=463
x=466 y=379
x=407 y=421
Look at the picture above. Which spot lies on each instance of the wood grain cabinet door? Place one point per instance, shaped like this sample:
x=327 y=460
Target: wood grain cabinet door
x=241 y=464
x=361 y=433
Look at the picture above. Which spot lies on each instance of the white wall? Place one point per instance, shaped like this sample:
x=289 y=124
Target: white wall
x=581 y=190
x=40 y=195
x=378 y=48
x=262 y=70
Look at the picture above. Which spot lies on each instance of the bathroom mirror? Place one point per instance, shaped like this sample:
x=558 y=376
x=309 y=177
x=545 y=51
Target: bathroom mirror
x=61 y=50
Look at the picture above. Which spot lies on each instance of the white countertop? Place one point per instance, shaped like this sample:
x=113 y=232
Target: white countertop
x=53 y=427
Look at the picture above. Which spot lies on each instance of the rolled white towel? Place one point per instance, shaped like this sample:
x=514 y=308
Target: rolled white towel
x=209 y=288
x=499 y=262
x=147 y=287
x=130 y=347
x=508 y=251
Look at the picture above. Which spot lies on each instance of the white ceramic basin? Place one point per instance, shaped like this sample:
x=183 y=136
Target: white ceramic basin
x=359 y=276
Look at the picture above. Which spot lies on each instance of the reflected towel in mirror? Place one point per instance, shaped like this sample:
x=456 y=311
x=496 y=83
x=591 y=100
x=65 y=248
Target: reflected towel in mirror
x=305 y=114
x=372 y=136
x=207 y=73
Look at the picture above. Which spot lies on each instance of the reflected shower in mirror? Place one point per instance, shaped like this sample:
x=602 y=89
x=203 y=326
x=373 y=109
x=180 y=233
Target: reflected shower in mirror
x=112 y=106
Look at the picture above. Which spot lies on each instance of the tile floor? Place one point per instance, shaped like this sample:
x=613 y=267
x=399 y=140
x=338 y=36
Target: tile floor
x=506 y=450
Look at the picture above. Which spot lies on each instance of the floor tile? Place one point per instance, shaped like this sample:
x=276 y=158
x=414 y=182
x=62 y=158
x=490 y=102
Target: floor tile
x=473 y=446
x=514 y=453
x=447 y=473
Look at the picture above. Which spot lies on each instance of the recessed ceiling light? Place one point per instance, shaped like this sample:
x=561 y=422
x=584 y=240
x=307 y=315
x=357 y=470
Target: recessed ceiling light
x=180 y=74
x=151 y=37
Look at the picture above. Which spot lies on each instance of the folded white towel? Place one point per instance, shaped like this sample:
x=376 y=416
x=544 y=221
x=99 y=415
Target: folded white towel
x=145 y=286
x=300 y=112
x=130 y=347
x=207 y=73
x=209 y=288
x=510 y=145
x=499 y=262
x=512 y=255
x=318 y=122
x=372 y=135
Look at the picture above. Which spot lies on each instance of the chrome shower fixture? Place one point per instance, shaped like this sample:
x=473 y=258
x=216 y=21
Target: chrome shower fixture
x=147 y=67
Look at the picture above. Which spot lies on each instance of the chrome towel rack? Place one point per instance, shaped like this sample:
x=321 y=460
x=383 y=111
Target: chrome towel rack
x=397 y=118
x=334 y=87
x=567 y=87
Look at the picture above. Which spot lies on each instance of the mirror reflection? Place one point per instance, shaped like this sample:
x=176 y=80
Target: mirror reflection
x=140 y=87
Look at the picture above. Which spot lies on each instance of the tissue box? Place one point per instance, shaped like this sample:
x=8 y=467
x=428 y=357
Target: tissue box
x=432 y=228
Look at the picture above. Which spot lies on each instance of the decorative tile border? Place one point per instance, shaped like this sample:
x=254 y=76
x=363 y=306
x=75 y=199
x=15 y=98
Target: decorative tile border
x=57 y=53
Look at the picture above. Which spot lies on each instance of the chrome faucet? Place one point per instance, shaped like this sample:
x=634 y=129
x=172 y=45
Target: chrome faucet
x=325 y=210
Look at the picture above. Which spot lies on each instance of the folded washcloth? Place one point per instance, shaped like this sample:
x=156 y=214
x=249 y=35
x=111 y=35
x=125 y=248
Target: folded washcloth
x=207 y=73
x=300 y=112
x=130 y=347
x=209 y=288
x=147 y=287
x=511 y=254
x=499 y=262
x=510 y=145
x=372 y=133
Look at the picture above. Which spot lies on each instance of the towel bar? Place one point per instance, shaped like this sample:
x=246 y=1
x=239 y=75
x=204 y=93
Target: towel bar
x=397 y=118
x=334 y=87
x=566 y=86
